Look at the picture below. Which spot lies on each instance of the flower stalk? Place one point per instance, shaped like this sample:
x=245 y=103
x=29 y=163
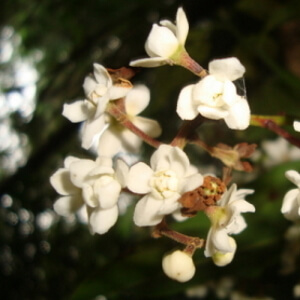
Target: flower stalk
x=117 y=110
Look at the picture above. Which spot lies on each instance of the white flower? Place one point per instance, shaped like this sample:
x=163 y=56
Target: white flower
x=117 y=138
x=215 y=96
x=71 y=200
x=163 y=183
x=94 y=184
x=99 y=90
x=296 y=125
x=291 y=201
x=165 y=41
x=226 y=219
x=279 y=151
x=179 y=266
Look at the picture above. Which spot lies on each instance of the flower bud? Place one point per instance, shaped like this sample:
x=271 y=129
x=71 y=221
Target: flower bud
x=222 y=259
x=179 y=266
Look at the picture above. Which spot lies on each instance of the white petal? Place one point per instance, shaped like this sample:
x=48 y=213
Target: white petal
x=161 y=41
x=88 y=195
x=182 y=26
x=79 y=170
x=146 y=212
x=130 y=142
x=101 y=220
x=226 y=68
x=139 y=177
x=61 y=182
x=149 y=62
x=169 y=205
x=149 y=126
x=76 y=111
x=191 y=182
x=236 y=225
x=241 y=206
x=212 y=112
x=110 y=142
x=101 y=106
x=290 y=201
x=177 y=215
x=296 y=125
x=122 y=171
x=293 y=176
x=222 y=259
x=229 y=93
x=89 y=85
x=221 y=241
x=207 y=91
x=186 y=109
x=167 y=157
x=170 y=25
x=137 y=100
x=107 y=192
x=117 y=92
x=101 y=75
x=90 y=130
x=68 y=160
x=238 y=115
x=68 y=205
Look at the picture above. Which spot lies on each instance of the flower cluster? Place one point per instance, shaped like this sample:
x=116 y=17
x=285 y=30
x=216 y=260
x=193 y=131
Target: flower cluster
x=170 y=184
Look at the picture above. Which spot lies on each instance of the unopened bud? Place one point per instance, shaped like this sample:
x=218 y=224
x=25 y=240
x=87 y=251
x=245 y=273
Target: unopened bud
x=222 y=259
x=179 y=266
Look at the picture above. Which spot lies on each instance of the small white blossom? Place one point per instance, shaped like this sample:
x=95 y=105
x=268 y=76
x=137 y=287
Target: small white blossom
x=226 y=219
x=291 y=201
x=215 y=96
x=71 y=197
x=99 y=90
x=296 y=125
x=94 y=184
x=179 y=266
x=164 y=41
x=116 y=138
x=169 y=176
x=279 y=151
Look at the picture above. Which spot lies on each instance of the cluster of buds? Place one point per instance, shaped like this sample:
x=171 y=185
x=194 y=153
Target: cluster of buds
x=170 y=184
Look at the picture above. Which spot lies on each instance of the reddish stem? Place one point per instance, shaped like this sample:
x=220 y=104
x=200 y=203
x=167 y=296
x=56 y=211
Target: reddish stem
x=117 y=110
x=192 y=243
x=271 y=125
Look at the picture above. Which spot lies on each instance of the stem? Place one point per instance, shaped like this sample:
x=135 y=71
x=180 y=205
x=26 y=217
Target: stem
x=272 y=123
x=117 y=110
x=187 y=62
x=186 y=132
x=192 y=243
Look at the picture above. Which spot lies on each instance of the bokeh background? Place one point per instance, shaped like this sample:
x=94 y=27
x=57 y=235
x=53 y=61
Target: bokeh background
x=46 y=49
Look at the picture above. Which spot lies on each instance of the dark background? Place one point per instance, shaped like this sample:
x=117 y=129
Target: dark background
x=63 y=261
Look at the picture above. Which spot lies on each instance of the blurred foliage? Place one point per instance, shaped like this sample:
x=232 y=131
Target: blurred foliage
x=65 y=261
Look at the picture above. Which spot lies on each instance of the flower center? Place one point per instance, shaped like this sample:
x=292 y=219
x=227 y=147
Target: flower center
x=164 y=184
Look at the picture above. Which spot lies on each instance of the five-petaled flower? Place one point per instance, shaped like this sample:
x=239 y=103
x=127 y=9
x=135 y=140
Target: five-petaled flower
x=94 y=184
x=226 y=219
x=169 y=176
x=165 y=43
x=291 y=201
x=99 y=89
x=215 y=96
x=116 y=138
